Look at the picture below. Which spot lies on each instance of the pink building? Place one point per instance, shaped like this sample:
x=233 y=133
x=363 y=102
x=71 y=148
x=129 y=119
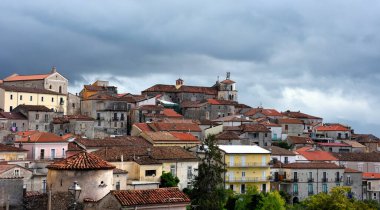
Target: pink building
x=43 y=145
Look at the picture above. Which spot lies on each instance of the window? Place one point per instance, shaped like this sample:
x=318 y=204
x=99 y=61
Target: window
x=369 y=185
x=36 y=127
x=20 y=97
x=242 y=188
x=295 y=188
x=73 y=105
x=286 y=160
x=324 y=188
x=50 y=87
x=374 y=196
x=60 y=89
x=52 y=99
x=44 y=186
x=310 y=177
x=11 y=97
x=310 y=188
x=115 y=124
x=173 y=170
x=46 y=118
x=42 y=98
x=10 y=108
x=37 y=116
x=243 y=174
x=99 y=123
x=150 y=172
x=189 y=172
x=286 y=127
x=31 y=98
x=348 y=180
x=118 y=185
x=52 y=153
x=266 y=134
x=16 y=172
x=231 y=187
x=264 y=187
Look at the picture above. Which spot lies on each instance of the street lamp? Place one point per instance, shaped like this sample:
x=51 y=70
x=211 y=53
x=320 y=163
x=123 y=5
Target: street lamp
x=75 y=191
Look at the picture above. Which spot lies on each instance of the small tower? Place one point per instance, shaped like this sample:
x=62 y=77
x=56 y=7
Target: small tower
x=227 y=89
x=178 y=83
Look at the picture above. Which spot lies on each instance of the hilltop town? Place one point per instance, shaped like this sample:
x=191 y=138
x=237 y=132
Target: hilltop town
x=102 y=149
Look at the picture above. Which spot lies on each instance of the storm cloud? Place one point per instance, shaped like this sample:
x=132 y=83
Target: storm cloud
x=322 y=58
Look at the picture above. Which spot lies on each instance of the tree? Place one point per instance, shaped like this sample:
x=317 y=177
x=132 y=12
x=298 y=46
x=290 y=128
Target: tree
x=208 y=191
x=168 y=180
x=336 y=199
x=283 y=144
x=272 y=201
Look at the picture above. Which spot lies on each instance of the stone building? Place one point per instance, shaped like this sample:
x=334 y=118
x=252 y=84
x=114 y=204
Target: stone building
x=73 y=104
x=354 y=179
x=76 y=124
x=10 y=123
x=39 y=117
x=93 y=174
x=52 y=81
x=209 y=109
x=11 y=193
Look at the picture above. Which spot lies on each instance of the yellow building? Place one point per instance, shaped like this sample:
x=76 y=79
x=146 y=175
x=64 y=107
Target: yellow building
x=12 y=96
x=246 y=166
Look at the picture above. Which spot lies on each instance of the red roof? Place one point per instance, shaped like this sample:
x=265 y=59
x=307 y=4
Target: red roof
x=289 y=121
x=332 y=128
x=40 y=137
x=143 y=127
x=13 y=115
x=228 y=81
x=370 y=175
x=315 y=155
x=17 y=77
x=266 y=112
x=171 y=113
x=161 y=126
x=184 y=136
x=81 y=161
x=299 y=115
x=150 y=197
x=6 y=148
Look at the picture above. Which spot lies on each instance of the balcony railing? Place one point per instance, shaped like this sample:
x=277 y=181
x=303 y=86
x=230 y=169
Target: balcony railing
x=310 y=193
x=239 y=165
x=348 y=182
x=310 y=179
x=295 y=180
x=247 y=179
x=115 y=119
x=337 y=179
x=324 y=179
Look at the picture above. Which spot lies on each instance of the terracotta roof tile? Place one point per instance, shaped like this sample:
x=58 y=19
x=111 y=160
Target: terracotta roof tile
x=35 y=108
x=113 y=142
x=362 y=157
x=228 y=81
x=17 y=77
x=255 y=128
x=334 y=144
x=144 y=127
x=184 y=136
x=299 y=115
x=6 y=148
x=81 y=161
x=186 y=127
x=171 y=113
x=192 y=104
x=371 y=175
x=266 y=112
x=227 y=135
x=331 y=128
x=41 y=137
x=299 y=140
x=151 y=197
x=289 y=121
x=354 y=144
x=119 y=171
x=279 y=151
x=350 y=170
x=12 y=116
x=315 y=155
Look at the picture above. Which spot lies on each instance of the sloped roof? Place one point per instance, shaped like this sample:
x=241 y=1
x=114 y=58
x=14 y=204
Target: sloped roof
x=150 y=197
x=12 y=116
x=350 y=170
x=81 y=161
x=361 y=157
x=35 y=108
x=182 y=89
x=6 y=148
x=299 y=115
x=266 y=112
x=132 y=153
x=354 y=144
x=144 y=127
x=220 y=102
x=227 y=135
x=113 y=142
x=336 y=127
x=299 y=140
x=28 y=90
x=312 y=165
x=366 y=138
x=371 y=175
x=171 y=113
x=227 y=82
x=162 y=126
x=184 y=136
x=255 y=128
x=17 y=77
x=41 y=137
x=315 y=155
x=334 y=144
x=289 y=121
x=232 y=118
x=279 y=151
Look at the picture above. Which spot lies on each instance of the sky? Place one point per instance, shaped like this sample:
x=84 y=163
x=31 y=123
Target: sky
x=319 y=57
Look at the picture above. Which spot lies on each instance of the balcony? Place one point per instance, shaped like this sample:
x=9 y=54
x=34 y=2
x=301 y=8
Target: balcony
x=243 y=165
x=295 y=180
x=100 y=118
x=324 y=179
x=310 y=193
x=247 y=179
x=310 y=179
x=337 y=179
x=115 y=119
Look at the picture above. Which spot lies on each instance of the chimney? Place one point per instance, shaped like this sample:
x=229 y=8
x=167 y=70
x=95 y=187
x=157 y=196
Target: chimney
x=53 y=69
x=178 y=83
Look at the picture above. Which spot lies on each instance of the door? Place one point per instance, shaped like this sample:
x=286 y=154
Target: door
x=52 y=153
x=42 y=154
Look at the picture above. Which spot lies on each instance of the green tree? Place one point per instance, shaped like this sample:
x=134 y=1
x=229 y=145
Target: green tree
x=272 y=201
x=335 y=200
x=208 y=191
x=168 y=180
x=282 y=144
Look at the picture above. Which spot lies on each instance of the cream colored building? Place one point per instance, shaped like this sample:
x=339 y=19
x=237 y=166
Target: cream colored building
x=12 y=96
